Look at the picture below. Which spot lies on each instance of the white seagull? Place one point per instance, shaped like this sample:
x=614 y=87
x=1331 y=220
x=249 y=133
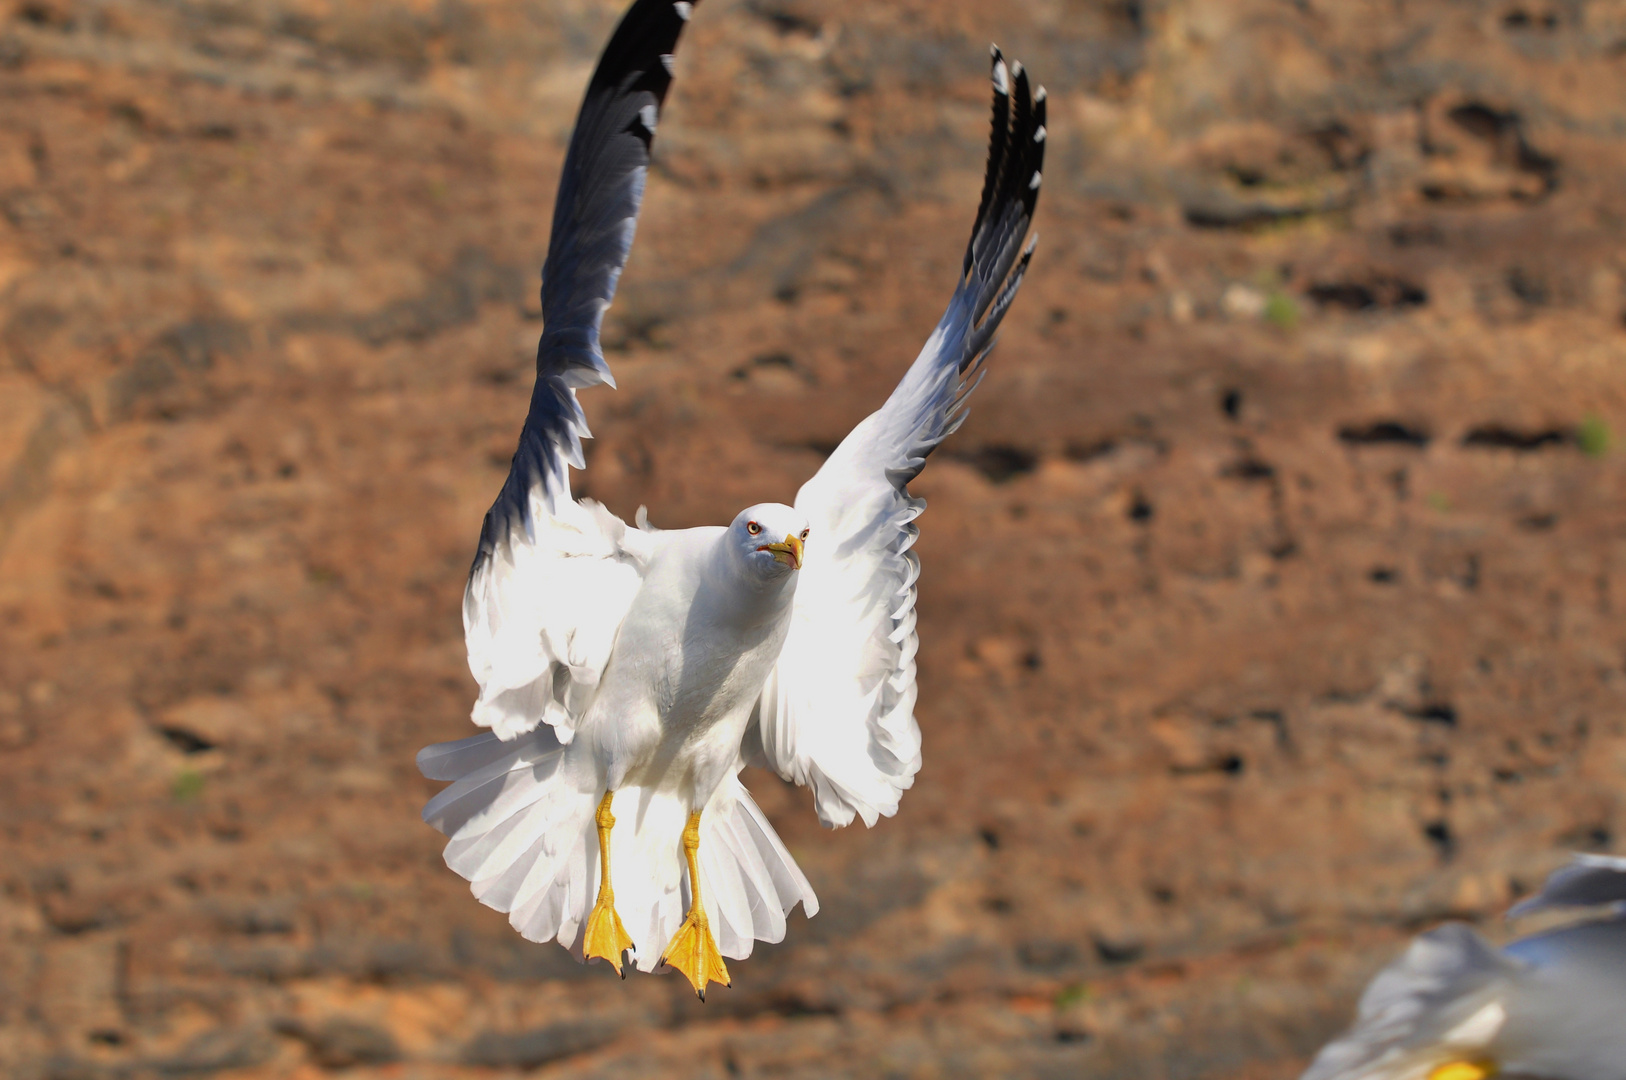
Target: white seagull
x=1551 y=1006
x=643 y=668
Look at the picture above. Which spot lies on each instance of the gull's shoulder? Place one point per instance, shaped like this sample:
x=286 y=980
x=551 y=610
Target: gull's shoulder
x=676 y=549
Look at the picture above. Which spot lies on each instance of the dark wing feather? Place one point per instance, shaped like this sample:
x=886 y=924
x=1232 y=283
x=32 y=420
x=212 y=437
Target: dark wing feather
x=594 y=216
x=929 y=404
x=1587 y=881
x=1010 y=193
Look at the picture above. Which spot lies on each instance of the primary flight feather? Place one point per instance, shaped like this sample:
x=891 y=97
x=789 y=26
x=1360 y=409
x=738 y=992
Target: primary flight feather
x=628 y=674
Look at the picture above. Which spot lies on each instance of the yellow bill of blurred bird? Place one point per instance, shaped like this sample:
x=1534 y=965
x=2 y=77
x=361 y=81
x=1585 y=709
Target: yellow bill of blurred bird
x=627 y=675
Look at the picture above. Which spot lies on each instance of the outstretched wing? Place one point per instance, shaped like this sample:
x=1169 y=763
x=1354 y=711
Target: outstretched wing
x=552 y=580
x=1587 y=881
x=837 y=712
x=1445 y=993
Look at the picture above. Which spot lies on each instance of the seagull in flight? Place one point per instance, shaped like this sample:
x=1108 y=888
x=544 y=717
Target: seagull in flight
x=1454 y=1007
x=627 y=674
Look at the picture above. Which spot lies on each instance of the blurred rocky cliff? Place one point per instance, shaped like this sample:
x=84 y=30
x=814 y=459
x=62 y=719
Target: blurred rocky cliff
x=1269 y=603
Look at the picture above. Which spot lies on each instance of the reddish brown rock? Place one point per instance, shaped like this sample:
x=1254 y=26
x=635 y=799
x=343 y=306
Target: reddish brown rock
x=1270 y=606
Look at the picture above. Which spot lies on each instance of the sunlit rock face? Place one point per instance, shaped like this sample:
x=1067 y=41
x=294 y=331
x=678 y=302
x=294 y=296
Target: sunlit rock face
x=1271 y=594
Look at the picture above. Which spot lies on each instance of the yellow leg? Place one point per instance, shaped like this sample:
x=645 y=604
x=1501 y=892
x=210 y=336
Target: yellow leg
x=693 y=950
x=606 y=937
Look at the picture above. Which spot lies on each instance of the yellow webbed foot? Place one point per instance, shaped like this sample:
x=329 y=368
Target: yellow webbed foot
x=606 y=938
x=693 y=951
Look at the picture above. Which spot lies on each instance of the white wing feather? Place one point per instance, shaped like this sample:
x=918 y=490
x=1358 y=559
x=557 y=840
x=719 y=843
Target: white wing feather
x=837 y=713
x=540 y=614
x=1442 y=993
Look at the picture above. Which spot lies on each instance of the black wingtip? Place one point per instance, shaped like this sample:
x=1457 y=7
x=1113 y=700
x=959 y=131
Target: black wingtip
x=599 y=190
x=1039 y=135
x=1011 y=183
x=639 y=54
x=1000 y=77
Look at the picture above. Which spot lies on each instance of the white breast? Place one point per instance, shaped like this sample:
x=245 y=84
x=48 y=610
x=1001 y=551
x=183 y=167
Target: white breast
x=687 y=668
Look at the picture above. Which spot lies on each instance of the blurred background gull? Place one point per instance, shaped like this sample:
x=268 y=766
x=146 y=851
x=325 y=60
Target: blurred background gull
x=1272 y=601
x=1550 y=1006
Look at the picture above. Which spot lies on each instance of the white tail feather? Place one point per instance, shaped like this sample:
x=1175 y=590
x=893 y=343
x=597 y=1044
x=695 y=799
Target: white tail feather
x=748 y=880
x=519 y=817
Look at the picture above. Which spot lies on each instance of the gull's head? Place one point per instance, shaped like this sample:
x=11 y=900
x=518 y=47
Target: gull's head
x=770 y=538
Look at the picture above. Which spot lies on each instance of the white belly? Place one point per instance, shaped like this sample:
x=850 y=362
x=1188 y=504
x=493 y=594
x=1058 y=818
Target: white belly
x=672 y=709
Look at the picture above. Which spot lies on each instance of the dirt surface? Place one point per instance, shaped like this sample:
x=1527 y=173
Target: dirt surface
x=1269 y=605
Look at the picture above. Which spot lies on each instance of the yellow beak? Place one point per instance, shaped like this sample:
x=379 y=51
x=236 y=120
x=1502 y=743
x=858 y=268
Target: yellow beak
x=788 y=552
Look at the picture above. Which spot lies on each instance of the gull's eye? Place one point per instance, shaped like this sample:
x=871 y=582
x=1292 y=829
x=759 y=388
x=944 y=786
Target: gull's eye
x=753 y=528
x=805 y=532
